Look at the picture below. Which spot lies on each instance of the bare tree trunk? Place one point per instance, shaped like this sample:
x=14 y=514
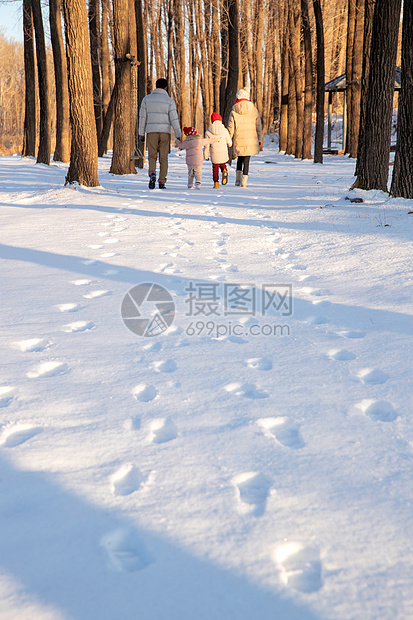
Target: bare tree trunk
x=200 y=36
x=373 y=169
x=216 y=53
x=84 y=152
x=134 y=109
x=293 y=21
x=224 y=56
x=368 y=29
x=308 y=92
x=233 y=58
x=181 y=64
x=258 y=36
x=351 y=27
x=29 y=141
x=62 y=150
x=142 y=68
x=105 y=59
x=285 y=74
x=292 y=112
x=43 y=155
x=95 y=48
x=319 y=131
x=170 y=44
x=402 y=182
x=355 y=86
x=121 y=160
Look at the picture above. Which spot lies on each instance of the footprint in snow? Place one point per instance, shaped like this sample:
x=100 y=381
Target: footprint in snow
x=33 y=345
x=300 y=567
x=307 y=278
x=6 y=395
x=81 y=282
x=68 y=307
x=286 y=433
x=78 y=326
x=96 y=294
x=17 y=434
x=103 y=234
x=126 y=480
x=162 y=430
x=108 y=254
x=352 y=334
x=111 y=240
x=321 y=303
x=234 y=339
x=133 y=424
x=145 y=393
x=95 y=247
x=341 y=355
x=232 y=268
x=297 y=267
x=377 y=410
x=48 y=369
x=153 y=347
x=248 y=390
x=317 y=320
x=259 y=363
x=165 y=366
x=372 y=376
x=252 y=489
x=126 y=552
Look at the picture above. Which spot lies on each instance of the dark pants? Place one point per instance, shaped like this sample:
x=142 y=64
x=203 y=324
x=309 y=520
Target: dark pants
x=243 y=163
x=215 y=171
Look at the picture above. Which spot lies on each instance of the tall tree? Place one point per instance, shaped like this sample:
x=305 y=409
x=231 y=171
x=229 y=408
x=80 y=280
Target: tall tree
x=231 y=9
x=295 y=59
x=368 y=29
x=285 y=74
x=29 y=140
x=373 y=168
x=62 y=149
x=121 y=160
x=95 y=53
x=84 y=151
x=402 y=181
x=308 y=88
x=354 y=65
x=319 y=131
x=43 y=155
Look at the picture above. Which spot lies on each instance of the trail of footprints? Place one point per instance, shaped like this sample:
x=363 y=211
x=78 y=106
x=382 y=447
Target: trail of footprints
x=15 y=434
x=299 y=566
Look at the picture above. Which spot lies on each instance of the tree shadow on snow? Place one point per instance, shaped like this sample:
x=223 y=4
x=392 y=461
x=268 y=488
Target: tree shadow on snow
x=88 y=563
x=342 y=316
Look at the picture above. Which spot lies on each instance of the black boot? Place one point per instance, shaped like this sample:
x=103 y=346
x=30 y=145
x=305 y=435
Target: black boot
x=152 y=180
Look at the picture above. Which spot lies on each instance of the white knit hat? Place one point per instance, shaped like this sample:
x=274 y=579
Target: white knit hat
x=243 y=93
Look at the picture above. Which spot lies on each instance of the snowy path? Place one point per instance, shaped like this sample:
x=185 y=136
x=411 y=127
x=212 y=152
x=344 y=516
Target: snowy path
x=250 y=461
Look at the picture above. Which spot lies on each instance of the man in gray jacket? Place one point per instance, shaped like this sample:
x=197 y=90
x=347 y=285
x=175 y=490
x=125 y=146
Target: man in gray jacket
x=156 y=116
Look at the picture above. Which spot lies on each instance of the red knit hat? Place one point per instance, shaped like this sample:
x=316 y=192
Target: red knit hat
x=190 y=131
x=215 y=117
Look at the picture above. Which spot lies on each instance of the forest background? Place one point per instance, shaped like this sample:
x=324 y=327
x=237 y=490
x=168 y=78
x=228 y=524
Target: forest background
x=73 y=88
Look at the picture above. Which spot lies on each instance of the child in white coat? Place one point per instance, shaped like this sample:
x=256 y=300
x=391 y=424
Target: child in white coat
x=219 y=149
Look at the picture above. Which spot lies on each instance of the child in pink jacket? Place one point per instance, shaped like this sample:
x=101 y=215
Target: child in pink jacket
x=194 y=156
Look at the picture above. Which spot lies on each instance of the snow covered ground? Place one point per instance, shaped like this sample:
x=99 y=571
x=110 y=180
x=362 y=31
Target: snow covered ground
x=254 y=460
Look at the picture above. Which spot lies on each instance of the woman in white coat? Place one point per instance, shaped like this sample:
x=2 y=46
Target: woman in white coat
x=245 y=130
